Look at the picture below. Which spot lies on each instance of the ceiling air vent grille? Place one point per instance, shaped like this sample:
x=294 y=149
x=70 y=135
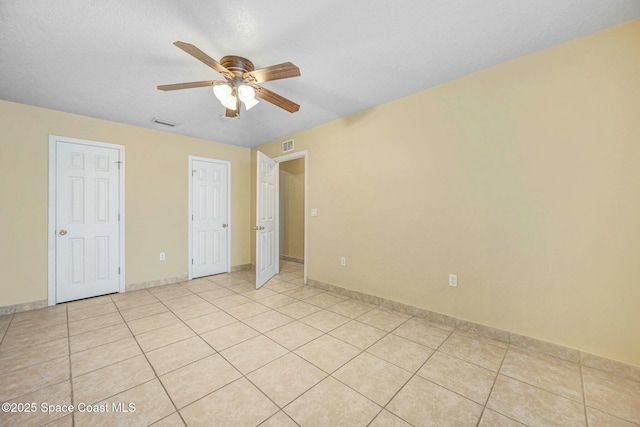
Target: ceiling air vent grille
x=163 y=122
x=287 y=146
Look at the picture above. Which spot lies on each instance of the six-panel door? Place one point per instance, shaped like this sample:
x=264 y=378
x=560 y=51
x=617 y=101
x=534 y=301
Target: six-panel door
x=87 y=229
x=210 y=222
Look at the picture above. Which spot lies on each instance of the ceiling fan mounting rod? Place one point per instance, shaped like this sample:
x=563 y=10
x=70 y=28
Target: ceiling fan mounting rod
x=236 y=81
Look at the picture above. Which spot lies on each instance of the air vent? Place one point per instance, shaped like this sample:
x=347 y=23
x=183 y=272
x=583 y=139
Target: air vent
x=287 y=146
x=163 y=122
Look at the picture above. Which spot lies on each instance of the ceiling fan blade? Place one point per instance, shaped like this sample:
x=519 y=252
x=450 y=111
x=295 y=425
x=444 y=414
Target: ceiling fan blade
x=274 y=72
x=276 y=99
x=203 y=57
x=190 y=85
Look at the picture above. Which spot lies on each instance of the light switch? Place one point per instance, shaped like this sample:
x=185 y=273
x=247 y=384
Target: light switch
x=314 y=212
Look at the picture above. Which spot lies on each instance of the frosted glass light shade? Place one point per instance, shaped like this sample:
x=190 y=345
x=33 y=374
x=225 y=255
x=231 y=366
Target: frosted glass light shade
x=222 y=91
x=246 y=93
x=230 y=102
x=250 y=103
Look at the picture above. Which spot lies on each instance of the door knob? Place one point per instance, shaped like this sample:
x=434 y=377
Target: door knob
x=63 y=232
x=224 y=225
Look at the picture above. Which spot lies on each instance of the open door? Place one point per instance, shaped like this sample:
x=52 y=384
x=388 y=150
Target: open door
x=267 y=240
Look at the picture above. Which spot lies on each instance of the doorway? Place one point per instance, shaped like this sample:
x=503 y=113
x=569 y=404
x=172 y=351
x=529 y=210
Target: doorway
x=267 y=215
x=86 y=219
x=291 y=216
x=303 y=155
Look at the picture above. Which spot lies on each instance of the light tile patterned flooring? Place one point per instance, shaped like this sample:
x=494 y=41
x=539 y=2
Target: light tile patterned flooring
x=217 y=352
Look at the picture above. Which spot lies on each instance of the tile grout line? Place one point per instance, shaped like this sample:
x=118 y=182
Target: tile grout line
x=384 y=407
x=4 y=334
x=33 y=365
x=190 y=363
x=358 y=354
x=118 y=310
x=261 y=391
x=531 y=385
x=584 y=393
x=328 y=375
x=495 y=380
x=48 y=360
x=195 y=361
x=153 y=369
x=331 y=336
x=541 y=388
x=413 y=375
x=466 y=361
x=285 y=414
x=321 y=309
x=242 y=375
x=73 y=416
x=519 y=380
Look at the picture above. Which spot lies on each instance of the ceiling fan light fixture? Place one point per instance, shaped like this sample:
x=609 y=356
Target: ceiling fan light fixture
x=230 y=102
x=249 y=104
x=242 y=81
x=246 y=93
x=222 y=92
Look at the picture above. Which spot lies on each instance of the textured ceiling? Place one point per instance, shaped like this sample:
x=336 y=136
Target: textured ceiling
x=105 y=58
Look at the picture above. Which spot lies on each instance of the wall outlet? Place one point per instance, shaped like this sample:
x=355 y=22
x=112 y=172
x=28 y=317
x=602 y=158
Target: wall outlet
x=162 y=256
x=343 y=261
x=453 y=280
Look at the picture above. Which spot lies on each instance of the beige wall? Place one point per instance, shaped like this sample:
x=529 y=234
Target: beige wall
x=292 y=208
x=521 y=179
x=156 y=196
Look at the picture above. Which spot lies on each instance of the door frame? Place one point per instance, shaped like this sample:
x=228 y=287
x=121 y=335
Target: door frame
x=190 y=243
x=51 y=227
x=284 y=158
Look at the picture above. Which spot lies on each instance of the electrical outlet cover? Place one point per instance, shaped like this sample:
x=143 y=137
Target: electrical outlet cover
x=453 y=280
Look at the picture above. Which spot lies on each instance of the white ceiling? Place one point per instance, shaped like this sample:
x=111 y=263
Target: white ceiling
x=104 y=58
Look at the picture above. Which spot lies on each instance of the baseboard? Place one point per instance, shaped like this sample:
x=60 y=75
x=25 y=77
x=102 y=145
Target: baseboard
x=573 y=355
x=570 y=354
x=33 y=305
x=25 y=306
x=243 y=267
x=292 y=259
x=153 y=283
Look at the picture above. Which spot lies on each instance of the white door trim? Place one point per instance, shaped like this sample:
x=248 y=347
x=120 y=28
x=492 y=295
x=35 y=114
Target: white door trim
x=228 y=164
x=51 y=228
x=293 y=156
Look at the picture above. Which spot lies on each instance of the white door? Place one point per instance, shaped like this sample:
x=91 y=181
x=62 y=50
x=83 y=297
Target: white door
x=210 y=217
x=267 y=241
x=87 y=229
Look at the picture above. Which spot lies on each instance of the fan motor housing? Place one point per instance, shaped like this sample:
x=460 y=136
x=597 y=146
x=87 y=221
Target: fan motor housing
x=237 y=64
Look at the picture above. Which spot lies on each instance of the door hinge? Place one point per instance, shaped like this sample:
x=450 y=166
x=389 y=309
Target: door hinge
x=191 y=217
x=118 y=163
x=193 y=172
x=118 y=217
x=191 y=261
x=118 y=270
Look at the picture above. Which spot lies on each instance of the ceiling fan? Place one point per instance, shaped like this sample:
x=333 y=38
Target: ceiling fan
x=241 y=85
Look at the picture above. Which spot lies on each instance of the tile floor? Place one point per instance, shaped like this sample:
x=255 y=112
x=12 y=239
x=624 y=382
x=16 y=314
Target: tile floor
x=217 y=352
